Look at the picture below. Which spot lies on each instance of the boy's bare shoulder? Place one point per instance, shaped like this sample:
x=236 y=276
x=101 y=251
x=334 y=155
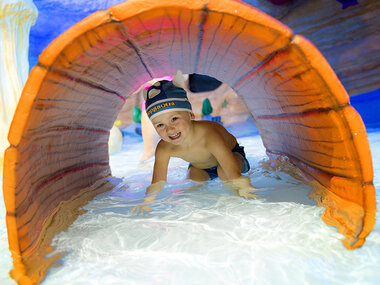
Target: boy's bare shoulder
x=209 y=128
x=163 y=146
x=208 y=125
x=210 y=131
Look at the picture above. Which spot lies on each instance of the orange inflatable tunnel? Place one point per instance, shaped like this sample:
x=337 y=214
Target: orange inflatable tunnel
x=58 y=138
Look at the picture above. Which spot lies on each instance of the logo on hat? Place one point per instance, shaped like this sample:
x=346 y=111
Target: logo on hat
x=164 y=96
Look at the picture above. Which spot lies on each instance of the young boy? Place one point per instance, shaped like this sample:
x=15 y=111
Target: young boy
x=209 y=148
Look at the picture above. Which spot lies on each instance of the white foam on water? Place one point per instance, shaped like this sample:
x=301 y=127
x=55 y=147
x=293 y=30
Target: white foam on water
x=205 y=234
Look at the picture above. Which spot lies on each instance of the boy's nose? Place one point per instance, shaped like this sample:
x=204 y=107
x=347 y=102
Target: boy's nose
x=170 y=129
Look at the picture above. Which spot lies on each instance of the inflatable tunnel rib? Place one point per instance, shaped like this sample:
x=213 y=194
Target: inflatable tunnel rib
x=59 y=134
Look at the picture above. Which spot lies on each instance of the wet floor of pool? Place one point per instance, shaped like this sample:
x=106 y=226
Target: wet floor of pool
x=206 y=234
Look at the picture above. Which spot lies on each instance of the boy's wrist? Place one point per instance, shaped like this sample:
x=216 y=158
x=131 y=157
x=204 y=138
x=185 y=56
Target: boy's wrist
x=149 y=199
x=152 y=191
x=241 y=181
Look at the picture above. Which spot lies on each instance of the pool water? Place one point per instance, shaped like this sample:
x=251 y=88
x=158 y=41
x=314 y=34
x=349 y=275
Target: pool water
x=205 y=234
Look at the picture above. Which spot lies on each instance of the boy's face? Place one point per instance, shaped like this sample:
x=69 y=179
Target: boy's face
x=173 y=127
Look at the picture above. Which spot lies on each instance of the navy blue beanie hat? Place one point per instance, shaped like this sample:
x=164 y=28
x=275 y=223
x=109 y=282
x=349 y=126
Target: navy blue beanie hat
x=163 y=96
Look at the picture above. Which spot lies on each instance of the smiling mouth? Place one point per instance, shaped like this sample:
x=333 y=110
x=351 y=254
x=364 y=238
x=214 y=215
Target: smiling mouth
x=176 y=136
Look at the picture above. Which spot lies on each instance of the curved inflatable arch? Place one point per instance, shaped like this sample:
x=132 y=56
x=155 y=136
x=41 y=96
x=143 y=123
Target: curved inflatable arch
x=60 y=130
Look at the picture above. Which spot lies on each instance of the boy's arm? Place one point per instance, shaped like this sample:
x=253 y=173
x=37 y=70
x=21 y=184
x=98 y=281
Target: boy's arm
x=160 y=170
x=161 y=163
x=227 y=161
x=223 y=154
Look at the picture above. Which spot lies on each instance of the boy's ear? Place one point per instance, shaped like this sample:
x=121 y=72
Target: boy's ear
x=178 y=80
x=192 y=116
x=145 y=94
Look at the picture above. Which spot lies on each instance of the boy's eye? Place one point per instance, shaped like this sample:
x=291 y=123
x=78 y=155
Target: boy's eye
x=174 y=119
x=159 y=125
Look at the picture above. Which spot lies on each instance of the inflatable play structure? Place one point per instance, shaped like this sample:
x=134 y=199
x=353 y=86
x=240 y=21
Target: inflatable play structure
x=58 y=154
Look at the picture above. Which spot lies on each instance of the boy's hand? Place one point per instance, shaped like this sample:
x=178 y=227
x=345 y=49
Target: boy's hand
x=244 y=188
x=139 y=209
x=248 y=193
x=151 y=194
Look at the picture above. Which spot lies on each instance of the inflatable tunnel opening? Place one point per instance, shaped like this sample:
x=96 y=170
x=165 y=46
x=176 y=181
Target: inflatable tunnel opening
x=210 y=99
x=59 y=156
